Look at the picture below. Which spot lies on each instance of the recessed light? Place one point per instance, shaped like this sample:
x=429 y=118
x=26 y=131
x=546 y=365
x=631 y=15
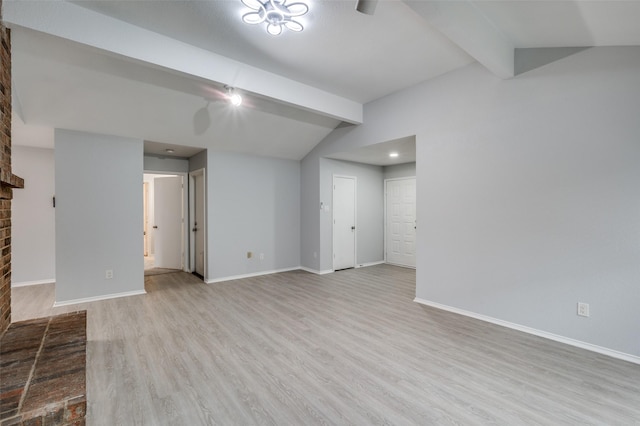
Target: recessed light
x=393 y=154
x=169 y=151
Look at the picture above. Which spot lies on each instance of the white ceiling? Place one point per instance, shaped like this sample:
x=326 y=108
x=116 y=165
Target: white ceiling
x=156 y=70
x=379 y=154
x=357 y=56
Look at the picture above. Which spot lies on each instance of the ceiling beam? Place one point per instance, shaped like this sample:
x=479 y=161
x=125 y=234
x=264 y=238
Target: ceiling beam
x=467 y=27
x=81 y=25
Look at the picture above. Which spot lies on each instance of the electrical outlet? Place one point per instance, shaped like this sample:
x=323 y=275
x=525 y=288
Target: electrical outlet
x=249 y=255
x=261 y=256
x=583 y=309
x=108 y=274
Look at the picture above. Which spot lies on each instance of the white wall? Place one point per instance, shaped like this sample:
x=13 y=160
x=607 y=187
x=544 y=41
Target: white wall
x=198 y=161
x=33 y=217
x=310 y=212
x=399 y=171
x=98 y=215
x=165 y=164
x=253 y=205
x=369 y=210
x=528 y=192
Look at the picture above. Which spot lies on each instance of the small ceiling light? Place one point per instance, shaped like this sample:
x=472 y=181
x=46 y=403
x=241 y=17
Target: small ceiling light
x=234 y=98
x=393 y=154
x=169 y=151
x=276 y=13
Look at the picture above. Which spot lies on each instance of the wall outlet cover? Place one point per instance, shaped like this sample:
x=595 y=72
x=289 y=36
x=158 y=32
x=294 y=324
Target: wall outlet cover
x=583 y=309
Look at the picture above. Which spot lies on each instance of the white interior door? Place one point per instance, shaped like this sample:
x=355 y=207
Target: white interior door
x=344 y=222
x=401 y=221
x=168 y=222
x=198 y=228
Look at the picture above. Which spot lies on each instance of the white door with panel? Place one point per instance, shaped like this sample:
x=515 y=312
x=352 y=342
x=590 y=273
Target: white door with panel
x=168 y=224
x=344 y=222
x=401 y=221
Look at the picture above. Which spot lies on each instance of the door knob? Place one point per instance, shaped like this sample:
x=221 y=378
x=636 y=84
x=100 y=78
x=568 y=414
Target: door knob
x=194 y=229
x=155 y=227
x=353 y=228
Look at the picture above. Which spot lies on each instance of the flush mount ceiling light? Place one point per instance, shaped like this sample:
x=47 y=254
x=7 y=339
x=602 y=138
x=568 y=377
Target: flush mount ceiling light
x=169 y=151
x=393 y=154
x=234 y=98
x=276 y=13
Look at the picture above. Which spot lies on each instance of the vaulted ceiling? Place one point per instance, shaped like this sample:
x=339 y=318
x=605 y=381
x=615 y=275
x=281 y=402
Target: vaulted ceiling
x=156 y=70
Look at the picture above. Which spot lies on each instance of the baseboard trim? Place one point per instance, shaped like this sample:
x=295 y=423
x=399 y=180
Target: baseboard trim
x=251 y=275
x=38 y=282
x=566 y=340
x=315 y=271
x=364 y=265
x=97 y=298
x=399 y=265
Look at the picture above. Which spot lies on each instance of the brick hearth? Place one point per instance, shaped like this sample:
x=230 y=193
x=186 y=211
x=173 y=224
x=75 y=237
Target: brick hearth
x=42 y=371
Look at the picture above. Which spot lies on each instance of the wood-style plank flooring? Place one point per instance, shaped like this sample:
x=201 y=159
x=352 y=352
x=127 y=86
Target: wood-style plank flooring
x=345 y=348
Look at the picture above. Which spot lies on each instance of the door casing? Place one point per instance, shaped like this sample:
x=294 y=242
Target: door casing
x=194 y=191
x=185 y=206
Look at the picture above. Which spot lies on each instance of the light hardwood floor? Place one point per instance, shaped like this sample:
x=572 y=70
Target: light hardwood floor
x=345 y=348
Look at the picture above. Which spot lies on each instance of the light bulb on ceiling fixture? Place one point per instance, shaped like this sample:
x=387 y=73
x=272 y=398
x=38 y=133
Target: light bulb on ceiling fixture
x=234 y=98
x=393 y=154
x=276 y=13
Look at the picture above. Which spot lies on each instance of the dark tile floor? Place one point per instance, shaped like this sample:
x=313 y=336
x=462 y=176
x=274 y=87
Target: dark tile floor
x=43 y=371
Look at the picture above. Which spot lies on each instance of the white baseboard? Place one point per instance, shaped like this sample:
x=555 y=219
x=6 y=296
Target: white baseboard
x=96 y=298
x=566 y=340
x=315 y=271
x=364 y=265
x=253 y=274
x=399 y=265
x=38 y=282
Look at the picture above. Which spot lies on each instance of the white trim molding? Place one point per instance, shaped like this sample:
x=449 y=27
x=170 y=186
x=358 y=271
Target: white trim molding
x=566 y=340
x=97 y=298
x=254 y=274
x=364 y=265
x=38 y=282
x=315 y=271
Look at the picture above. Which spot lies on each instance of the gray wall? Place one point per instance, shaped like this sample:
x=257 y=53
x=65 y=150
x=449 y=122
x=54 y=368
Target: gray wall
x=369 y=210
x=98 y=215
x=253 y=205
x=400 y=171
x=198 y=161
x=527 y=191
x=165 y=164
x=33 y=217
x=310 y=213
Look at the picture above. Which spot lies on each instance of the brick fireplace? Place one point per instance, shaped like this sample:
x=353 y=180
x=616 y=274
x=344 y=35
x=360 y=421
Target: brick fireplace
x=8 y=181
x=42 y=361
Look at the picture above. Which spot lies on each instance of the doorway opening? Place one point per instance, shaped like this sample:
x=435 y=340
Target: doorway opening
x=164 y=223
x=344 y=222
x=197 y=223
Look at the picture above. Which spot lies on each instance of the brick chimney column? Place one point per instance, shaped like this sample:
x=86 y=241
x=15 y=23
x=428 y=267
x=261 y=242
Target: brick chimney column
x=8 y=181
